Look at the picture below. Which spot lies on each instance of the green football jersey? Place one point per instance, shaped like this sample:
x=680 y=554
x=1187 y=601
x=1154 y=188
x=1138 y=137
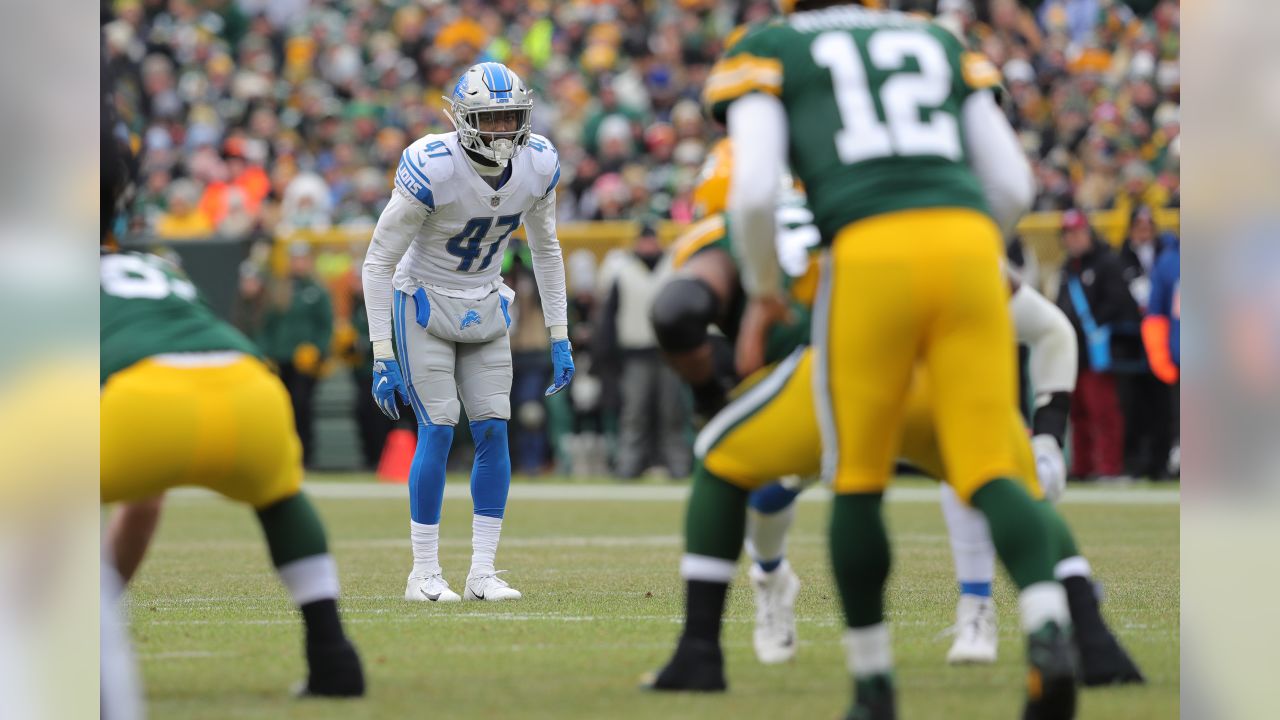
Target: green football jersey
x=873 y=101
x=149 y=307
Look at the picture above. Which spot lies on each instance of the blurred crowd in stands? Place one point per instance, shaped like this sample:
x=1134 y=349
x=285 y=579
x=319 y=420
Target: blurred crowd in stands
x=254 y=118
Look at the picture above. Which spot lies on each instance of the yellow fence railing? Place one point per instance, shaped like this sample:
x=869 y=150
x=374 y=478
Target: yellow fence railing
x=1039 y=230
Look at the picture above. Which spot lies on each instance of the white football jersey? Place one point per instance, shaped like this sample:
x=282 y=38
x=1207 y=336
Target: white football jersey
x=460 y=245
x=446 y=229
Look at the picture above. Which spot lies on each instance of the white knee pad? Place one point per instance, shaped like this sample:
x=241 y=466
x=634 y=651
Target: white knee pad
x=442 y=411
x=489 y=407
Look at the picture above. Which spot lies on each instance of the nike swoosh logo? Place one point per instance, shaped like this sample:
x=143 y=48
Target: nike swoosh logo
x=479 y=596
x=431 y=597
x=380 y=382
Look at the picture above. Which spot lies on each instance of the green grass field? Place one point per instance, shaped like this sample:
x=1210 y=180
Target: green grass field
x=217 y=638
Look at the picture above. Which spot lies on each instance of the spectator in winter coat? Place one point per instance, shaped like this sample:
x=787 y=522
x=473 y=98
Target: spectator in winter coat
x=1145 y=400
x=1161 y=331
x=653 y=417
x=1093 y=295
x=1161 y=327
x=295 y=334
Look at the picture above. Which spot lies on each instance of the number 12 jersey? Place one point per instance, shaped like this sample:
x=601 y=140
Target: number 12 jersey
x=873 y=102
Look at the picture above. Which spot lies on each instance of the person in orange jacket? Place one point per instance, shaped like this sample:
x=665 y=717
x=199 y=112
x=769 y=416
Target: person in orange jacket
x=1161 y=329
x=1162 y=325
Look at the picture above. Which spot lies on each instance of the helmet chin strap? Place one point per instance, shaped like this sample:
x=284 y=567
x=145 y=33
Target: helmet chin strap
x=484 y=165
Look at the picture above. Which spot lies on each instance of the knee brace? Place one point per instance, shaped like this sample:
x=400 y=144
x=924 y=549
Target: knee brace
x=681 y=312
x=491 y=473
x=772 y=498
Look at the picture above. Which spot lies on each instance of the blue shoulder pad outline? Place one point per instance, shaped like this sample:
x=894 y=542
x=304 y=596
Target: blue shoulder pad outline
x=546 y=161
x=555 y=180
x=422 y=163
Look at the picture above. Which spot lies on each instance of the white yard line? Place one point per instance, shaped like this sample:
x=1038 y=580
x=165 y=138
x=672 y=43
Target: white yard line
x=409 y=614
x=182 y=655
x=568 y=492
x=430 y=616
x=549 y=541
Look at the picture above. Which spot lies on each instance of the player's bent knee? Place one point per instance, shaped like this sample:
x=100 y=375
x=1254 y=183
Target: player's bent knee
x=443 y=412
x=681 y=312
x=725 y=467
x=846 y=483
x=494 y=407
x=772 y=498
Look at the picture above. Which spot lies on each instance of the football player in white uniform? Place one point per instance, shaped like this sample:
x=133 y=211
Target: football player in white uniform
x=431 y=280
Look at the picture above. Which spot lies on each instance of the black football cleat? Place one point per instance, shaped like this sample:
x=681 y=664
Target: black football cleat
x=333 y=672
x=697 y=666
x=1103 y=661
x=873 y=699
x=1051 y=679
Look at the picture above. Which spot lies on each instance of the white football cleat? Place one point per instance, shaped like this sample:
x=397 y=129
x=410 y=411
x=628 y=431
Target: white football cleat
x=429 y=588
x=775 y=593
x=975 y=631
x=489 y=587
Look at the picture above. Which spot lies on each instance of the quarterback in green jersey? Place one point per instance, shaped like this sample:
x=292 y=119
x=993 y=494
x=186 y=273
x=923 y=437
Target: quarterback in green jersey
x=705 y=292
x=911 y=172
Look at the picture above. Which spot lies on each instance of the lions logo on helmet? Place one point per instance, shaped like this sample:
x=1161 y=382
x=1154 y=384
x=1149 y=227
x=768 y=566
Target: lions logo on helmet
x=491 y=107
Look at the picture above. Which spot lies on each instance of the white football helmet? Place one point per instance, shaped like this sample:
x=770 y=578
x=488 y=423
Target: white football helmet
x=489 y=90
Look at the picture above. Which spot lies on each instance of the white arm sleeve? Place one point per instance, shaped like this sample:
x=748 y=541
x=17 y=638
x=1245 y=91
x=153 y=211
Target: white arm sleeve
x=997 y=159
x=397 y=226
x=548 y=263
x=1045 y=329
x=758 y=130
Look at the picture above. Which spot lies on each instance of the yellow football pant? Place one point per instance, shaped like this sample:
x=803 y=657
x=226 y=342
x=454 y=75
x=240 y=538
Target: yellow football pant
x=771 y=431
x=226 y=427
x=906 y=288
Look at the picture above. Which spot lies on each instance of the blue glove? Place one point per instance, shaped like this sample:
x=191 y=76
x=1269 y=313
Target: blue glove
x=386 y=383
x=562 y=361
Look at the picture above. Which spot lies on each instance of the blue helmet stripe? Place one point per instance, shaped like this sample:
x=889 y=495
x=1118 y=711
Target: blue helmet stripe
x=499 y=80
x=502 y=77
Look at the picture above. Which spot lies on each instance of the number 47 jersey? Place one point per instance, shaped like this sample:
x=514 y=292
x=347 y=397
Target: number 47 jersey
x=873 y=102
x=446 y=228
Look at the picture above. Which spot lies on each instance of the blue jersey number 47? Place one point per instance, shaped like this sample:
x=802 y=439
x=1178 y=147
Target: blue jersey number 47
x=467 y=244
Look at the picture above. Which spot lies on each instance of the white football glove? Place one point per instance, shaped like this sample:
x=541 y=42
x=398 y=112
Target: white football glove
x=1051 y=467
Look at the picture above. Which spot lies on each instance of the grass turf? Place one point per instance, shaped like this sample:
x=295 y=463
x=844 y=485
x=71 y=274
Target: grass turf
x=216 y=636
